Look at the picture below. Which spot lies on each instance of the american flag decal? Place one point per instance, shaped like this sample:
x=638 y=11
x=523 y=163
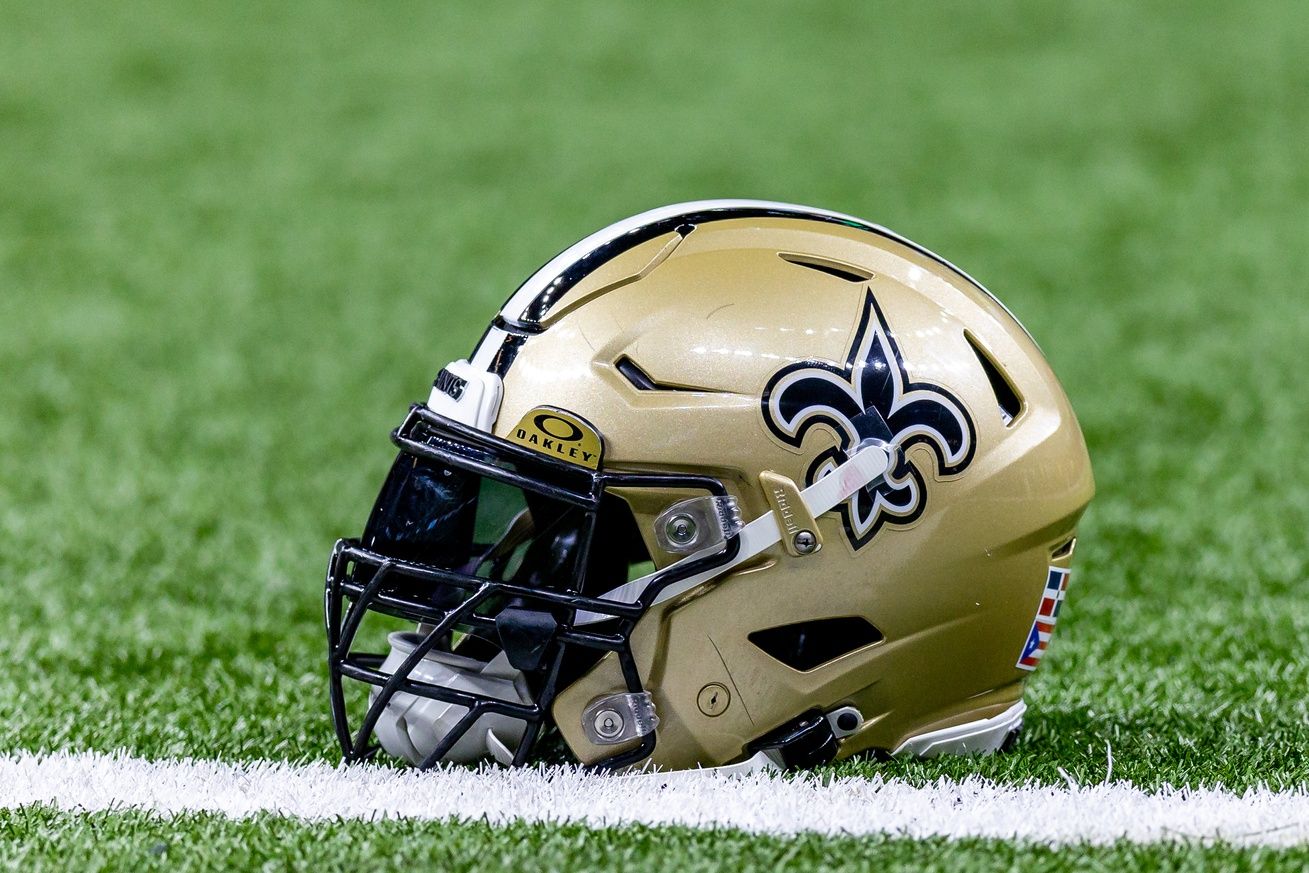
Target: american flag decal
x=1038 y=639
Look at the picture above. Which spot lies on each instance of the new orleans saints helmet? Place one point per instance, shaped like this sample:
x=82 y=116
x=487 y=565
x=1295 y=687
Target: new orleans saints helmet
x=726 y=483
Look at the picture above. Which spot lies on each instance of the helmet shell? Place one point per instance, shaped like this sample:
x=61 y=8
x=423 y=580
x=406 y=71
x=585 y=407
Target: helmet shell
x=721 y=309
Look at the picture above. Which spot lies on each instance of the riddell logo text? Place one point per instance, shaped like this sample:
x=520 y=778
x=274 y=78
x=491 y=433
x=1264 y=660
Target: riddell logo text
x=788 y=517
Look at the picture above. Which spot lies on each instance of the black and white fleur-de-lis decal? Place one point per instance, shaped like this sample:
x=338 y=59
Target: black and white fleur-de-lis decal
x=871 y=396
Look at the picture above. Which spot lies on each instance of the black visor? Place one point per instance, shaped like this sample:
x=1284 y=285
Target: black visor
x=443 y=516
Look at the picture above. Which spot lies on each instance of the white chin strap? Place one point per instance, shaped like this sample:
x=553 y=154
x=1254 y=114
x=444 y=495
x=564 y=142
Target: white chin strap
x=868 y=464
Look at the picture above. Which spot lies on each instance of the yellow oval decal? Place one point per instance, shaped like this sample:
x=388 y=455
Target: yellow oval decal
x=561 y=435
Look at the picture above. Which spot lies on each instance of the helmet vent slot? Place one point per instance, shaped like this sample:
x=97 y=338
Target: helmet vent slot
x=1064 y=550
x=1007 y=400
x=809 y=644
x=839 y=269
x=641 y=380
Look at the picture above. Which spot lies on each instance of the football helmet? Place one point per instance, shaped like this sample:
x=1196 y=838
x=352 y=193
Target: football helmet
x=728 y=483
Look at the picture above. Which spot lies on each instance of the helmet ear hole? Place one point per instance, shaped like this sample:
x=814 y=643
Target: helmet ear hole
x=807 y=645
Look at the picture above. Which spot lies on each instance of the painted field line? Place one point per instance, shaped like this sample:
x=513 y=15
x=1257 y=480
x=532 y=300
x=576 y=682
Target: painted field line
x=760 y=803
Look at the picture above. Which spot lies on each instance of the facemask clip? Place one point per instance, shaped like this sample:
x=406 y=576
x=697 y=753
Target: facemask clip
x=617 y=718
x=699 y=523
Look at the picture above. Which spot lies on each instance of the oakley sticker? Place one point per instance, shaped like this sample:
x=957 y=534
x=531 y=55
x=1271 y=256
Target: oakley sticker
x=870 y=395
x=560 y=435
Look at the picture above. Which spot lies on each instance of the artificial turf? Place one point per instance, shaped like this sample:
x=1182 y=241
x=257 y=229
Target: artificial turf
x=38 y=836
x=237 y=239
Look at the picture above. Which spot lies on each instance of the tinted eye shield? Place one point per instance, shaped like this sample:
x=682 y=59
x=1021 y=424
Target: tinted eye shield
x=425 y=577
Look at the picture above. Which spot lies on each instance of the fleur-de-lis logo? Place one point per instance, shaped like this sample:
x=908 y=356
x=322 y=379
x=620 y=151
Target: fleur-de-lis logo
x=871 y=396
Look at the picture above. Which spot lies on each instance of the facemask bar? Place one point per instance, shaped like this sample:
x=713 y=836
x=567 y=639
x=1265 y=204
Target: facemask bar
x=347 y=600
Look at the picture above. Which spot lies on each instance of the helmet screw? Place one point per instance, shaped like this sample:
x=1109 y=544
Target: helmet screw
x=713 y=699
x=608 y=724
x=805 y=542
x=681 y=529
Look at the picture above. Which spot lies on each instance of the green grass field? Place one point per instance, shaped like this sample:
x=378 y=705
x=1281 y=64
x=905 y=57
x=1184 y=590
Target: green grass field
x=137 y=842
x=237 y=239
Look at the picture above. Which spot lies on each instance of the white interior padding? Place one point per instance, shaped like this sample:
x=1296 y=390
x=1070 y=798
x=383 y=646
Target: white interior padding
x=410 y=727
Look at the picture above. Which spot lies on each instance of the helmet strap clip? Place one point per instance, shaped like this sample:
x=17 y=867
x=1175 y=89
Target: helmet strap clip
x=797 y=525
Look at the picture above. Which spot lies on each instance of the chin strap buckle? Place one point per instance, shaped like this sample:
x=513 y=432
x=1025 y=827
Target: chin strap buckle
x=798 y=527
x=807 y=741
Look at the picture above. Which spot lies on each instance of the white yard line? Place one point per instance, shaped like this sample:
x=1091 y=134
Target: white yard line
x=760 y=803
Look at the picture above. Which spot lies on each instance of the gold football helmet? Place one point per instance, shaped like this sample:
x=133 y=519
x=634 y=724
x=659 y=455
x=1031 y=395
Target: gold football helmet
x=726 y=483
